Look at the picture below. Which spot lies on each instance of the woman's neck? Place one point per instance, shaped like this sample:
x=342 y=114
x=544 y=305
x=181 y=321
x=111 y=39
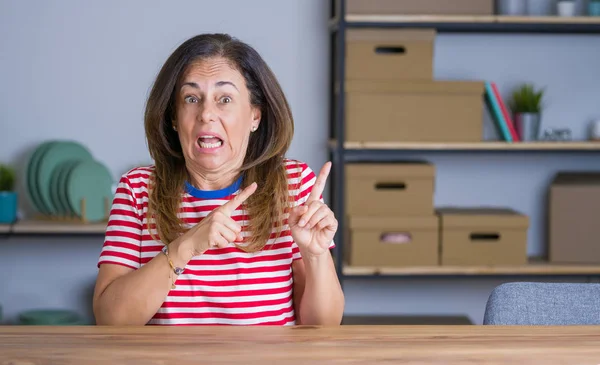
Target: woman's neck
x=204 y=180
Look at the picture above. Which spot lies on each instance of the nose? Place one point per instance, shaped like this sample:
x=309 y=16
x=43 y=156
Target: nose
x=208 y=114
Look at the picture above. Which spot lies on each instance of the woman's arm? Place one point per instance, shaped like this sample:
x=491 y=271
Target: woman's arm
x=318 y=295
x=124 y=296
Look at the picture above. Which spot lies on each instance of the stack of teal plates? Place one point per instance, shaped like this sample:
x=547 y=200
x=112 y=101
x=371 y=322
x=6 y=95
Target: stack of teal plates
x=50 y=317
x=63 y=177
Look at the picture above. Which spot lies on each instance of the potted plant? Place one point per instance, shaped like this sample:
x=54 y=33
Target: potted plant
x=8 y=195
x=526 y=105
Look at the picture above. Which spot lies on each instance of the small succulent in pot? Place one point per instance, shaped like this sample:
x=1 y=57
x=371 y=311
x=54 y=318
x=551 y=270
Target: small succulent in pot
x=7 y=178
x=526 y=99
x=526 y=105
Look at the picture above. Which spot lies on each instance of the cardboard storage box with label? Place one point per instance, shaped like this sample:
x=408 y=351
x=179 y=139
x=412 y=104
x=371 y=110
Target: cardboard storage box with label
x=390 y=189
x=414 y=111
x=389 y=54
x=392 y=241
x=420 y=7
x=574 y=217
x=483 y=236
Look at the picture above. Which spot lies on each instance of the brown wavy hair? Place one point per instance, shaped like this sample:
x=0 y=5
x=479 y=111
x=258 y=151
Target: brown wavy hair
x=267 y=146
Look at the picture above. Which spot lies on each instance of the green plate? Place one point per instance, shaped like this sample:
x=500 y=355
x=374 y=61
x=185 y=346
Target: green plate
x=54 y=187
x=62 y=188
x=93 y=181
x=57 y=184
x=53 y=157
x=49 y=317
x=31 y=176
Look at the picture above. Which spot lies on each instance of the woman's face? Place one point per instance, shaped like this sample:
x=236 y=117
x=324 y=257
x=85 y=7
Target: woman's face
x=214 y=117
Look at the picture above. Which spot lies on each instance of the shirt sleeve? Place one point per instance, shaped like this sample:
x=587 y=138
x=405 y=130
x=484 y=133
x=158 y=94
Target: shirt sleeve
x=306 y=181
x=123 y=237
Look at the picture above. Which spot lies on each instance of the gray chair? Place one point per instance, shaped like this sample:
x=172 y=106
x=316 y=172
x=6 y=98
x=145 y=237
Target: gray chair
x=543 y=304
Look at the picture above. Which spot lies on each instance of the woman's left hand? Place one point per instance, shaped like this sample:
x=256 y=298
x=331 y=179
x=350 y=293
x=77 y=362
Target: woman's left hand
x=313 y=224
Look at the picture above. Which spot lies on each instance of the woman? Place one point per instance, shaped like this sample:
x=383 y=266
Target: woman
x=222 y=229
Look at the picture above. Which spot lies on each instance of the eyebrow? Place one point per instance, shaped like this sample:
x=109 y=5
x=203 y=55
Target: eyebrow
x=218 y=84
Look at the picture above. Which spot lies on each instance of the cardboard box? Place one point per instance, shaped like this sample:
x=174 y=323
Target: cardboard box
x=420 y=7
x=483 y=236
x=392 y=241
x=397 y=189
x=389 y=54
x=574 y=216
x=425 y=111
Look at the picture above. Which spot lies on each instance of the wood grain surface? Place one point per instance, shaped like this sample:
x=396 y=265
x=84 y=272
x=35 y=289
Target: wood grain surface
x=20 y=345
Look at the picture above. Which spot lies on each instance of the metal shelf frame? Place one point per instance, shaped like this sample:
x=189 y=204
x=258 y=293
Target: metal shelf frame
x=338 y=24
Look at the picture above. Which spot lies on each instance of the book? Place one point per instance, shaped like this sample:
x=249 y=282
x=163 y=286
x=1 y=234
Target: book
x=507 y=118
x=496 y=113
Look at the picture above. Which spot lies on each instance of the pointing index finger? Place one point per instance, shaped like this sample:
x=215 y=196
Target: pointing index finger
x=239 y=199
x=319 y=186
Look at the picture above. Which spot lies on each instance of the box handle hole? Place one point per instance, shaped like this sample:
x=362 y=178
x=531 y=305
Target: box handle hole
x=390 y=50
x=395 y=237
x=485 y=236
x=390 y=186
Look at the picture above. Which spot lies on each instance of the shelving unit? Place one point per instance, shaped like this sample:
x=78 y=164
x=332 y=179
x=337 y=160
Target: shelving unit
x=342 y=151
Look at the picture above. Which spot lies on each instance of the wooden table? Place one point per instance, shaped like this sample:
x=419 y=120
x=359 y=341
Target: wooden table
x=300 y=345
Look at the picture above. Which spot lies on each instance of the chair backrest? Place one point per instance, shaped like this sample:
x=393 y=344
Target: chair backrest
x=543 y=304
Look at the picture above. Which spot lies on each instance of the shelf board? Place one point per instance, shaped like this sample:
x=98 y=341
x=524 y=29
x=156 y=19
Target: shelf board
x=535 y=267
x=425 y=18
x=483 y=19
x=473 y=146
x=42 y=227
x=474 y=23
x=594 y=20
x=4 y=228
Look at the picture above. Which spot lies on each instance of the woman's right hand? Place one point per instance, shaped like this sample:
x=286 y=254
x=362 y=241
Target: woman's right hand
x=218 y=229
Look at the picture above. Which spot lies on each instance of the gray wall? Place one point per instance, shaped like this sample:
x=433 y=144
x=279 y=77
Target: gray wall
x=82 y=70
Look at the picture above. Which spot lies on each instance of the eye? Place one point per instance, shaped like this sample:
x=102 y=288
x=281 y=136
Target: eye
x=190 y=99
x=225 y=100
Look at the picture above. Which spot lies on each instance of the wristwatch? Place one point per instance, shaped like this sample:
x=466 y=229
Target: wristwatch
x=176 y=270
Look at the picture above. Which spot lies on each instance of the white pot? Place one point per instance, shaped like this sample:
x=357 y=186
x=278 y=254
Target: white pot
x=566 y=8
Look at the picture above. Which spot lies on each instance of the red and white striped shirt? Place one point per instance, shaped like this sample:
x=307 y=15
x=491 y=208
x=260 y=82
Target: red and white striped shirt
x=223 y=285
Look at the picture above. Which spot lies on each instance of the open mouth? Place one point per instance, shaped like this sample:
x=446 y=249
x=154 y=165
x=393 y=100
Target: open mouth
x=209 y=142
